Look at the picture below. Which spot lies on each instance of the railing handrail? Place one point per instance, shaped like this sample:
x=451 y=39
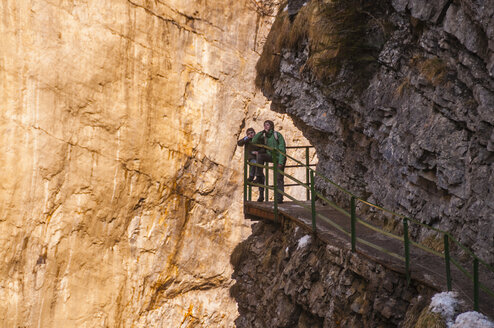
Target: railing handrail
x=405 y=238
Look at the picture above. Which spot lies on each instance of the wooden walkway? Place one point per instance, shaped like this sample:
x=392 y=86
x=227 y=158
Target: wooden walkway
x=425 y=268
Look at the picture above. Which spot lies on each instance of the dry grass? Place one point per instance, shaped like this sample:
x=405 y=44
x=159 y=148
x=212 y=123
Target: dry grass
x=403 y=87
x=434 y=241
x=284 y=34
x=336 y=33
x=393 y=225
x=387 y=222
x=428 y=319
x=433 y=70
x=337 y=37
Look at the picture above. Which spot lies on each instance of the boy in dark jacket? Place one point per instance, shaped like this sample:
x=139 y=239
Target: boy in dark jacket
x=252 y=153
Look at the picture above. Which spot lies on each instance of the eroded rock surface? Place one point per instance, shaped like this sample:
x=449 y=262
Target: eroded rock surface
x=287 y=278
x=120 y=197
x=398 y=98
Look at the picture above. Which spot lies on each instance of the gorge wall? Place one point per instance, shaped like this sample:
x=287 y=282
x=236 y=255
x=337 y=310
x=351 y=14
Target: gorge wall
x=120 y=198
x=398 y=99
x=119 y=195
x=287 y=277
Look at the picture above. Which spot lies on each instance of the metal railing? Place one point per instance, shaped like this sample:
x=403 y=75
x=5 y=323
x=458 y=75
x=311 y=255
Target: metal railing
x=448 y=240
x=307 y=166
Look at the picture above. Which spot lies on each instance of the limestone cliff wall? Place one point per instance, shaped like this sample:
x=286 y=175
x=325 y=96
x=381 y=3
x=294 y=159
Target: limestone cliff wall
x=119 y=189
x=397 y=96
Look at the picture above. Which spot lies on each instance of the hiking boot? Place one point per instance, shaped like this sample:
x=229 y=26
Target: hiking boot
x=259 y=180
x=260 y=199
x=250 y=179
x=280 y=201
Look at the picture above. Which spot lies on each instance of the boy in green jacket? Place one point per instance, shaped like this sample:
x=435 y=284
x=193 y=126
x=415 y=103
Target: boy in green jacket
x=272 y=139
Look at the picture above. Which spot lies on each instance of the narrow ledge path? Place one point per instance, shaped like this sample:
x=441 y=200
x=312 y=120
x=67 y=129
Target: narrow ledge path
x=425 y=268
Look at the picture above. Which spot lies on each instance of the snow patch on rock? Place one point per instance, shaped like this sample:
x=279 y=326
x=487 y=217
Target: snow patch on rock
x=447 y=305
x=302 y=242
x=472 y=319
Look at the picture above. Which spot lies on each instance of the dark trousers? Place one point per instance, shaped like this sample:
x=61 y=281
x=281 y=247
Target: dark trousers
x=264 y=158
x=253 y=169
x=253 y=173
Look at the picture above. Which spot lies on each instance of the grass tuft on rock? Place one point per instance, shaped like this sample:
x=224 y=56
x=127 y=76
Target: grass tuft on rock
x=433 y=70
x=284 y=34
x=404 y=86
x=340 y=35
x=428 y=319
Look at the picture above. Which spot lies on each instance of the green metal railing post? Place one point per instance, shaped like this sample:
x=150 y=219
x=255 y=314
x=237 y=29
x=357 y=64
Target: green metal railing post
x=313 y=201
x=245 y=174
x=407 y=249
x=275 y=184
x=307 y=171
x=448 y=265
x=266 y=181
x=352 y=222
x=250 y=193
x=476 y=284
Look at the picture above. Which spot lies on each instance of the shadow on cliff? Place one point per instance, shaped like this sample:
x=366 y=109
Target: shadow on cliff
x=286 y=277
x=260 y=289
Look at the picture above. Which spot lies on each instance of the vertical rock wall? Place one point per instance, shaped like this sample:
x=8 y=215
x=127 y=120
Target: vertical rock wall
x=119 y=190
x=397 y=97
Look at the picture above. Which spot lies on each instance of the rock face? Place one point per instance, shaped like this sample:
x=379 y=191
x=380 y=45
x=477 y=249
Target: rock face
x=287 y=278
x=120 y=198
x=398 y=98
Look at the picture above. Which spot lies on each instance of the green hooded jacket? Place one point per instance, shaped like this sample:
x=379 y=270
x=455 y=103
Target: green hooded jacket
x=270 y=140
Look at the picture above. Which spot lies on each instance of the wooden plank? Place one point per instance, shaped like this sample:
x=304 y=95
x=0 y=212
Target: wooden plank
x=258 y=213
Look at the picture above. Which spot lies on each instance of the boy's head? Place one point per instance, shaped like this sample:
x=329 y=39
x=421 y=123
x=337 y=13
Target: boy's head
x=251 y=132
x=268 y=125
